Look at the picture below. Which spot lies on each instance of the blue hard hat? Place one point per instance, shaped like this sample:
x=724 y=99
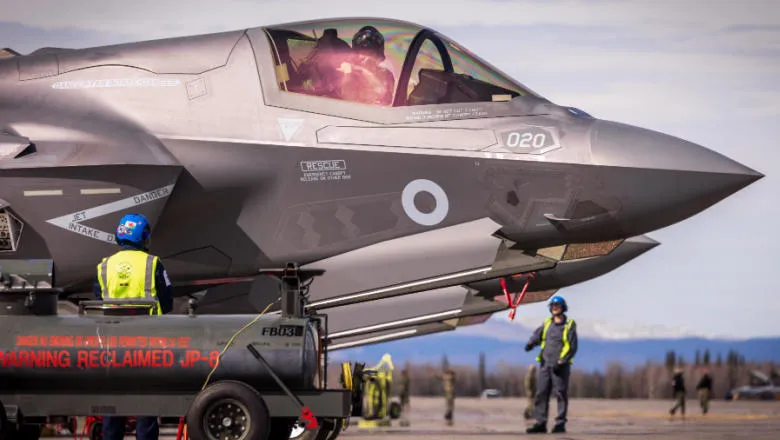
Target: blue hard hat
x=558 y=300
x=133 y=228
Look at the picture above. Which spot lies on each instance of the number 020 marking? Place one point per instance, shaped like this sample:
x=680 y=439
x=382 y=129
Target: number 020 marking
x=526 y=140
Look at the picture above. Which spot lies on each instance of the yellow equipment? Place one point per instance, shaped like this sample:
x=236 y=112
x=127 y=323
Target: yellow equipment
x=377 y=385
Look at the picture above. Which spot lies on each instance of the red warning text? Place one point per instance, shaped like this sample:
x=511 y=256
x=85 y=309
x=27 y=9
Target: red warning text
x=193 y=357
x=78 y=341
x=106 y=359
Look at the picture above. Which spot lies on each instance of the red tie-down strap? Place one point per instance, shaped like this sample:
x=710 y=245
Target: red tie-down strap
x=518 y=296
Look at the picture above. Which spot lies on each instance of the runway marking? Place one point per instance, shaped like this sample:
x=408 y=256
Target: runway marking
x=43 y=192
x=98 y=191
x=72 y=222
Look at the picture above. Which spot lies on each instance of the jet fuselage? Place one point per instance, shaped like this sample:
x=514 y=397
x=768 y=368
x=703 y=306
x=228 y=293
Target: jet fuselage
x=237 y=172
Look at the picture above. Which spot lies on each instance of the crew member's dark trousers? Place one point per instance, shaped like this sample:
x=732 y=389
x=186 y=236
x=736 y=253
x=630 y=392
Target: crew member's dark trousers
x=679 y=402
x=548 y=380
x=147 y=428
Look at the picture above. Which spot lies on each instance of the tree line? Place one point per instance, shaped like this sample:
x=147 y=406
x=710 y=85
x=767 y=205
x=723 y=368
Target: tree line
x=651 y=380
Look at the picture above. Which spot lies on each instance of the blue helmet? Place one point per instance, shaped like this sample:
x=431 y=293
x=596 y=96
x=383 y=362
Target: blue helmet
x=133 y=228
x=558 y=300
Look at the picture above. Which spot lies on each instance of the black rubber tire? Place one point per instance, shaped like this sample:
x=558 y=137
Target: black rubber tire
x=29 y=432
x=73 y=425
x=96 y=431
x=394 y=409
x=257 y=411
x=372 y=400
x=337 y=429
x=281 y=428
x=6 y=431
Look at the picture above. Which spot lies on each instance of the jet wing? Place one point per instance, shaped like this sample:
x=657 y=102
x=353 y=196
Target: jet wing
x=397 y=312
x=408 y=332
x=366 y=320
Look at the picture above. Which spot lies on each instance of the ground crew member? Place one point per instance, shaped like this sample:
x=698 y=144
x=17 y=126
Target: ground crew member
x=530 y=391
x=449 y=395
x=405 y=397
x=678 y=388
x=704 y=387
x=558 y=339
x=133 y=273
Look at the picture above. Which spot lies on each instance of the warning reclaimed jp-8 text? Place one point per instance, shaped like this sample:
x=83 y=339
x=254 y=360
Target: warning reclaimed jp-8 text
x=101 y=358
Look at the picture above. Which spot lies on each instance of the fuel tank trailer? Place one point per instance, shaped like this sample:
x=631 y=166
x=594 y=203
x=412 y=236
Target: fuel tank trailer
x=232 y=376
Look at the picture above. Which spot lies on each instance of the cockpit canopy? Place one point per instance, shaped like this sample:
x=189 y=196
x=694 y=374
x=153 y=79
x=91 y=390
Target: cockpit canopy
x=383 y=63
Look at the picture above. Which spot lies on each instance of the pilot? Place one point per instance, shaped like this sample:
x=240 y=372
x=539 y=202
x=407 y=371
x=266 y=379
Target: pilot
x=558 y=339
x=320 y=70
x=133 y=273
x=365 y=80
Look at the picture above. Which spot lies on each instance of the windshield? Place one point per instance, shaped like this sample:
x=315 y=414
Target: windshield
x=466 y=63
x=373 y=61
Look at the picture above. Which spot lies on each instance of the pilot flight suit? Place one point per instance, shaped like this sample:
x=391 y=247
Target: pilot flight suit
x=133 y=273
x=558 y=342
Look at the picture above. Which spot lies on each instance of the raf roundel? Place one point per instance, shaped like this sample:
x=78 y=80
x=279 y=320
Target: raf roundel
x=426 y=219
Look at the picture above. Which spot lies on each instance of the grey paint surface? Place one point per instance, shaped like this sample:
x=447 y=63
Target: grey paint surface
x=205 y=117
x=398 y=316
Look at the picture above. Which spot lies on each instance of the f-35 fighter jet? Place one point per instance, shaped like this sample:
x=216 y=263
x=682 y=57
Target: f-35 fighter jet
x=379 y=150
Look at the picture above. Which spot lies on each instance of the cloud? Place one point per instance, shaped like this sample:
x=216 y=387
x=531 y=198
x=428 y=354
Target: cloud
x=158 y=17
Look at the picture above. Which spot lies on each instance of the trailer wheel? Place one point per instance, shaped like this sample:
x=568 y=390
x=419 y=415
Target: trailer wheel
x=228 y=408
x=395 y=410
x=281 y=428
x=339 y=425
x=29 y=432
x=5 y=429
x=96 y=431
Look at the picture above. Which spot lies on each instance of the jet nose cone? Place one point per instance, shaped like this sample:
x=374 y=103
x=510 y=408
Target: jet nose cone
x=622 y=145
x=691 y=172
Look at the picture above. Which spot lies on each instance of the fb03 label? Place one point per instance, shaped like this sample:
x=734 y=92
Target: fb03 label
x=284 y=330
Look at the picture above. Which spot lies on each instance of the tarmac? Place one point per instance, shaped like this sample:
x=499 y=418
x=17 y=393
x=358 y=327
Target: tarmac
x=502 y=419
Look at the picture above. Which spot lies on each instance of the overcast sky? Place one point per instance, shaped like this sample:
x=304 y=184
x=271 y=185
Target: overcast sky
x=703 y=70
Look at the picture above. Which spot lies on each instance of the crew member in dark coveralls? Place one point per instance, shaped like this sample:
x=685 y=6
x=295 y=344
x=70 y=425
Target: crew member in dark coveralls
x=557 y=337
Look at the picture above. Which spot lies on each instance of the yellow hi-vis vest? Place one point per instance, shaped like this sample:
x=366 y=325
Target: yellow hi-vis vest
x=129 y=274
x=566 y=347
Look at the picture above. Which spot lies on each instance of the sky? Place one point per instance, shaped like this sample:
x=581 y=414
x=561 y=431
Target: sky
x=703 y=70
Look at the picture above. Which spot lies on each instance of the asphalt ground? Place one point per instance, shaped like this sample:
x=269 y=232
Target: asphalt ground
x=499 y=419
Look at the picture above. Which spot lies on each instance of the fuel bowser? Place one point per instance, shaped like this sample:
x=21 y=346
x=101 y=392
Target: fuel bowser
x=242 y=376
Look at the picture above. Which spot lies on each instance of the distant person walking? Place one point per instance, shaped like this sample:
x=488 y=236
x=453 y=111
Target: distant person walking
x=530 y=391
x=449 y=395
x=405 y=397
x=557 y=337
x=704 y=387
x=678 y=388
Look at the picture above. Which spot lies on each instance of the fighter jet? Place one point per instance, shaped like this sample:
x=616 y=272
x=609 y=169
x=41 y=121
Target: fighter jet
x=397 y=317
x=379 y=150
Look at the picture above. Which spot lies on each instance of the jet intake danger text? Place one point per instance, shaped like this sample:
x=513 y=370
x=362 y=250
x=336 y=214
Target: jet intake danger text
x=96 y=352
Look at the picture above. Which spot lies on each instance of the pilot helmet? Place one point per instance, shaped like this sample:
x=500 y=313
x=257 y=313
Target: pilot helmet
x=369 y=40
